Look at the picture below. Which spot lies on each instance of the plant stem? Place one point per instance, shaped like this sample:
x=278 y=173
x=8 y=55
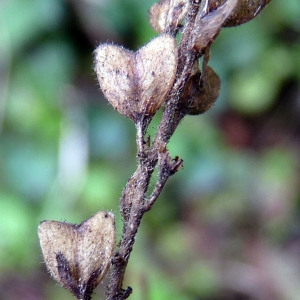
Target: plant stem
x=133 y=202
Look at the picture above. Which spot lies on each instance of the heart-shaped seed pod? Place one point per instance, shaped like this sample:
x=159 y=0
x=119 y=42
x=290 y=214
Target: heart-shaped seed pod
x=167 y=15
x=78 y=256
x=200 y=95
x=137 y=83
x=244 y=12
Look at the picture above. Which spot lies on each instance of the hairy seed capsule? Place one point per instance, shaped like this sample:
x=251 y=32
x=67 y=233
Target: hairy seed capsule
x=137 y=83
x=167 y=15
x=78 y=256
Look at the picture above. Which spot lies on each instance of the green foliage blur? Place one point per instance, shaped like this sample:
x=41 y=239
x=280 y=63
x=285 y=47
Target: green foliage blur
x=226 y=226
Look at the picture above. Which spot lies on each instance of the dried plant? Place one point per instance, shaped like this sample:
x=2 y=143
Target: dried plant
x=164 y=73
x=78 y=256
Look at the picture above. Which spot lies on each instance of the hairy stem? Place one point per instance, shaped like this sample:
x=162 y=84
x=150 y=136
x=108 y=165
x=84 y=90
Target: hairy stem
x=133 y=202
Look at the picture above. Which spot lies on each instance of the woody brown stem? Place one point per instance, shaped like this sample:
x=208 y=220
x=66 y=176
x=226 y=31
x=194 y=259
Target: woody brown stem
x=133 y=201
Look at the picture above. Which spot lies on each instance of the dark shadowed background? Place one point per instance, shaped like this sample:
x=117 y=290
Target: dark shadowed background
x=226 y=227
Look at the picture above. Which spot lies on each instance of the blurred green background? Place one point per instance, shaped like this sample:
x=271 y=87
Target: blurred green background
x=227 y=226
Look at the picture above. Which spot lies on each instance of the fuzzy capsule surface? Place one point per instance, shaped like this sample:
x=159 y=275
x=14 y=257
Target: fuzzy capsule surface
x=136 y=83
x=78 y=256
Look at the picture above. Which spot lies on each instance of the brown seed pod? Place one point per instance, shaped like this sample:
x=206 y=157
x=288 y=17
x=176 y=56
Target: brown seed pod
x=244 y=12
x=208 y=27
x=200 y=95
x=78 y=256
x=137 y=83
x=167 y=15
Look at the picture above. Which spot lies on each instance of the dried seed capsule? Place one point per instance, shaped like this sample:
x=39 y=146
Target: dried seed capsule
x=244 y=12
x=167 y=15
x=114 y=68
x=136 y=84
x=208 y=27
x=78 y=256
x=200 y=95
x=155 y=66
